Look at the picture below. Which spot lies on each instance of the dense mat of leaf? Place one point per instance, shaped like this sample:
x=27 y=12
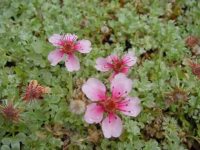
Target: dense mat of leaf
x=155 y=29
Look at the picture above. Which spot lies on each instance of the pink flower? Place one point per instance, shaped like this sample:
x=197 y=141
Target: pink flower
x=116 y=64
x=118 y=100
x=67 y=45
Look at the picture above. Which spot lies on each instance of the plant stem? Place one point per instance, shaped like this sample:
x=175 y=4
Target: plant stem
x=70 y=84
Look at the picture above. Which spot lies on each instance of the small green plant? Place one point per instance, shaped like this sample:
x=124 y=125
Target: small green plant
x=163 y=35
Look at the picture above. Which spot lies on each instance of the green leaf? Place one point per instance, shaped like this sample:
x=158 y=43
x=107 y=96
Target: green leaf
x=5 y=147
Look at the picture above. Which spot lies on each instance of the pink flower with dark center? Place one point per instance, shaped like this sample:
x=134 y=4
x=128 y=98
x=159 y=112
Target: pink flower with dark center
x=103 y=103
x=116 y=64
x=67 y=45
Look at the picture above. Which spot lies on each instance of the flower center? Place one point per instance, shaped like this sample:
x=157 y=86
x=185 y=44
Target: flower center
x=118 y=65
x=110 y=105
x=68 y=47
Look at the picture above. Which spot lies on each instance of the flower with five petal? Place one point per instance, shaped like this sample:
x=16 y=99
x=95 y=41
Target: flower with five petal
x=110 y=105
x=67 y=45
x=116 y=64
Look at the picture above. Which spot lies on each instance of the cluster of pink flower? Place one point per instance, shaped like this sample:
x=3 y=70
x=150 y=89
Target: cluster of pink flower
x=102 y=102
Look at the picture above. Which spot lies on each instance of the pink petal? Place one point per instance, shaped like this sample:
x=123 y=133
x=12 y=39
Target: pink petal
x=94 y=113
x=129 y=59
x=112 y=76
x=55 y=57
x=55 y=39
x=72 y=63
x=130 y=106
x=121 y=85
x=70 y=37
x=94 y=89
x=112 y=126
x=83 y=46
x=112 y=58
x=125 y=70
x=102 y=64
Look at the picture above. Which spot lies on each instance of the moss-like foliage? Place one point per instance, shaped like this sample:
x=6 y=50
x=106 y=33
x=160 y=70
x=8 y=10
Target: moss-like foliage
x=154 y=29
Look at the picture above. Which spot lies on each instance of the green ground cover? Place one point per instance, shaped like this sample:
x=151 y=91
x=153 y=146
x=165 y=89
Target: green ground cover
x=156 y=30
